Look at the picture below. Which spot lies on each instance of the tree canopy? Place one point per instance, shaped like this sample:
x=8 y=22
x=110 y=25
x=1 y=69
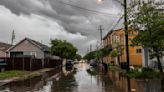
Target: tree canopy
x=90 y=55
x=63 y=49
x=97 y=54
x=78 y=57
x=147 y=19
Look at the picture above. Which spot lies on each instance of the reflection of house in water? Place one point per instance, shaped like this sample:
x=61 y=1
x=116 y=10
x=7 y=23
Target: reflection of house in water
x=24 y=85
x=139 y=85
x=36 y=84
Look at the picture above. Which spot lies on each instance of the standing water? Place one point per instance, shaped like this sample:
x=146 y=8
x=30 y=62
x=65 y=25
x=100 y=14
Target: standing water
x=83 y=78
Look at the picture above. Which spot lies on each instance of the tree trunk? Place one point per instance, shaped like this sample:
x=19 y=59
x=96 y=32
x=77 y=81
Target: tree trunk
x=119 y=62
x=158 y=60
x=64 y=62
x=159 y=64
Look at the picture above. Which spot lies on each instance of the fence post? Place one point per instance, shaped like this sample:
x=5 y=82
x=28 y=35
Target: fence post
x=42 y=63
x=23 y=63
x=12 y=63
x=6 y=63
x=48 y=63
x=30 y=63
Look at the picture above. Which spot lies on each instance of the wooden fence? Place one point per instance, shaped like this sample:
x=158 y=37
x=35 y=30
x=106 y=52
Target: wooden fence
x=30 y=64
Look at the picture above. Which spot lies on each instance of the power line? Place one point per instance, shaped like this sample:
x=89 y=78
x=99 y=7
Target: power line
x=116 y=23
x=94 y=12
x=119 y=2
x=114 y=26
x=89 y=10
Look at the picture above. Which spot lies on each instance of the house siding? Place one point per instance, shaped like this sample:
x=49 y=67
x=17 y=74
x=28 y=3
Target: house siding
x=118 y=36
x=2 y=54
x=150 y=62
x=28 y=47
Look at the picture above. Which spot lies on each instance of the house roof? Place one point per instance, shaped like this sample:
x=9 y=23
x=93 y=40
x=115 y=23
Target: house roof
x=43 y=47
x=38 y=44
x=4 y=46
x=111 y=31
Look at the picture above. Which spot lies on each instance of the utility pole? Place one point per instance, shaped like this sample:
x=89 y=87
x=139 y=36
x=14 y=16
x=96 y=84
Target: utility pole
x=126 y=34
x=103 y=64
x=90 y=48
x=126 y=31
x=101 y=29
x=12 y=37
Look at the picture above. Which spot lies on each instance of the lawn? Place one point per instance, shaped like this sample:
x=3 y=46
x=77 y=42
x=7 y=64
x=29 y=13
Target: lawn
x=22 y=74
x=13 y=73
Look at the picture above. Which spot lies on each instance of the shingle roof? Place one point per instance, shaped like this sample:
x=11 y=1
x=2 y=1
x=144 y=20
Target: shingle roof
x=4 y=46
x=42 y=46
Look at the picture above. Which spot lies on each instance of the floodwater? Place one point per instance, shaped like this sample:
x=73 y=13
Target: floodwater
x=83 y=78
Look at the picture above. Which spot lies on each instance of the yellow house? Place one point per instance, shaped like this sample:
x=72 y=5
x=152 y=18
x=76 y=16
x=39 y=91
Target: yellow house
x=114 y=42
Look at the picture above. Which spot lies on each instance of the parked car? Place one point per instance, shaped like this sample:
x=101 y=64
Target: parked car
x=2 y=64
x=69 y=63
x=76 y=62
x=93 y=63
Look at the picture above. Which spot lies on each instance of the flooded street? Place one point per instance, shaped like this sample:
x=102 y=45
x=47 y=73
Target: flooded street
x=83 y=78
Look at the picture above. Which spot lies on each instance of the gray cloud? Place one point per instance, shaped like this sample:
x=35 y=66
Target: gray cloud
x=80 y=24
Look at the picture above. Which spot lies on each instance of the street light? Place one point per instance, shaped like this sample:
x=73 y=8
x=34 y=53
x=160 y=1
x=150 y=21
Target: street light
x=126 y=31
x=100 y=0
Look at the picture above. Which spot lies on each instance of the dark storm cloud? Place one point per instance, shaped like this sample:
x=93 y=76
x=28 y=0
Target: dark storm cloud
x=72 y=19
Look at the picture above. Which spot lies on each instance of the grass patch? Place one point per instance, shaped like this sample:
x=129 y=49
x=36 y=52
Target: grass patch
x=13 y=73
x=145 y=73
x=22 y=74
x=115 y=68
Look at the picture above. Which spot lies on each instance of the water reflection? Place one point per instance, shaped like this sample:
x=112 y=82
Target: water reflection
x=29 y=85
x=65 y=84
x=135 y=85
x=83 y=78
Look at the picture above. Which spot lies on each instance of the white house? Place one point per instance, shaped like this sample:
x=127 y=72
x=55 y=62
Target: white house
x=28 y=47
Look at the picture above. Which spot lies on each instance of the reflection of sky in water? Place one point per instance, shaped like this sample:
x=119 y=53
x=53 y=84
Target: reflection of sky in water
x=47 y=87
x=83 y=79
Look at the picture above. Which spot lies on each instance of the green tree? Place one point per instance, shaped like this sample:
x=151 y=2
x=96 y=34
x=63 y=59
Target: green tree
x=117 y=52
x=78 y=57
x=147 y=19
x=90 y=55
x=97 y=54
x=63 y=49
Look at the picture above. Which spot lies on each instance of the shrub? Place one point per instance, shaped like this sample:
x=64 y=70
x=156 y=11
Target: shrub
x=146 y=73
x=147 y=70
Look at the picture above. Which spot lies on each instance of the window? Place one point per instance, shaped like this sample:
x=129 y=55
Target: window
x=33 y=53
x=138 y=50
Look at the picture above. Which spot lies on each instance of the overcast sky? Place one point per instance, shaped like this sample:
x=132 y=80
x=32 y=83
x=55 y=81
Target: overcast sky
x=42 y=20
